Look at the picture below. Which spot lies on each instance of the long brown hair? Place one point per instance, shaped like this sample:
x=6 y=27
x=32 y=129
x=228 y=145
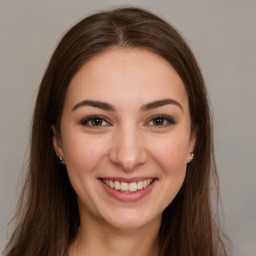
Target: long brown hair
x=48 y=218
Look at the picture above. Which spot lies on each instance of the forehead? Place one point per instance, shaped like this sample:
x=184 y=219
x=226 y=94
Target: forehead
x=126 y=75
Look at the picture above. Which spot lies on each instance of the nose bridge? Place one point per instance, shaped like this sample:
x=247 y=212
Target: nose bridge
x=128 y=149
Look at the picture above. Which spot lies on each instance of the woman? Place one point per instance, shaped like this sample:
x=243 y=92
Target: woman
x=121 y=150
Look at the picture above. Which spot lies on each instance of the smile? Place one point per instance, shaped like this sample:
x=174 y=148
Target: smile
x=126 y=187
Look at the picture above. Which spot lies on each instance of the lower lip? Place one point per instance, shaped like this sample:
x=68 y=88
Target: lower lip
x=128 y=197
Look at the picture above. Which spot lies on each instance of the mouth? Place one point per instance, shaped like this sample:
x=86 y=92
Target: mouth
x=128 y=187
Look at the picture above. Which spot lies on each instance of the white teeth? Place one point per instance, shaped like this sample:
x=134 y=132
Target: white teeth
x=128 y=187
x=140 y=185
x=124 y=186
x=133 y=187
x=117 y=185
x=111 y=184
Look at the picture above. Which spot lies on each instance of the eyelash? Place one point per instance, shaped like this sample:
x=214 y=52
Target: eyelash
x=166 y=121
x=86 y=121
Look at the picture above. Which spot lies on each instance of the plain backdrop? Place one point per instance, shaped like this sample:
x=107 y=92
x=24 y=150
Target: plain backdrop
x=222 y=35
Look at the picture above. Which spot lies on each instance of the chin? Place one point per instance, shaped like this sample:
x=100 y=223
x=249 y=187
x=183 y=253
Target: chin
x=131 y=219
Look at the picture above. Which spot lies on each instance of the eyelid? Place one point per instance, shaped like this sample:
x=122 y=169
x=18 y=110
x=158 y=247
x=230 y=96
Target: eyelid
x=169 y=119
x=85 y=121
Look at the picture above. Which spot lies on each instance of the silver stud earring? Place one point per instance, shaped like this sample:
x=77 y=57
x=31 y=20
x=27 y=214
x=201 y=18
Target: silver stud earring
x=60 y=159
x=191 y=156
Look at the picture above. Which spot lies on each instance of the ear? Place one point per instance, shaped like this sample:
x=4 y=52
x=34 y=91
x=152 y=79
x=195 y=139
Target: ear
x=192 y=143
x=57 y=143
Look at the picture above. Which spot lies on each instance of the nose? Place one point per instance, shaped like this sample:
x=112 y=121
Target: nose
x=128 y=151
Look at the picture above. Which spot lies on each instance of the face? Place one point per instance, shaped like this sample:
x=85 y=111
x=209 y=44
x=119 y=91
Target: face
x=125 y=137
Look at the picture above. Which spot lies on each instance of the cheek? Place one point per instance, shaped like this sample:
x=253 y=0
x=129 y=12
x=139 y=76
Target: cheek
x=82 y=157
x=83 y=153
x=171 y=157
x=171 y=154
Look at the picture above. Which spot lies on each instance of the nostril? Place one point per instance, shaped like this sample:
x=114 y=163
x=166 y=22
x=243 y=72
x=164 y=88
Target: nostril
x=128 y=157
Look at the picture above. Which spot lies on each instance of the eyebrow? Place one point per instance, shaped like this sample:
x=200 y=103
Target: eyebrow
x=160 y=103
x=145 y=107
x=96 y=104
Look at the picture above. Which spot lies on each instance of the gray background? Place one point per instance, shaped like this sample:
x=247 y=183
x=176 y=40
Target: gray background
x=222 y=35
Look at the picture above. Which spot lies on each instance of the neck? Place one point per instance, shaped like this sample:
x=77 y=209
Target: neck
x=96 y=238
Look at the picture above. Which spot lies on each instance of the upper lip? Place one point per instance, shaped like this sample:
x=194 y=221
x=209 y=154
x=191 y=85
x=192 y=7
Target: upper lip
x=128 y=180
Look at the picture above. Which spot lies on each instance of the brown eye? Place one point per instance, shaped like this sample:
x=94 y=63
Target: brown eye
x=94 y=121
x=161 y=121
x=158 y=121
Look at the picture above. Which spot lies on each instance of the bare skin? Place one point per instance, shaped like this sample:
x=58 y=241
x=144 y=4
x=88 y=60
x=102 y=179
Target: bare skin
x=109 y=241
